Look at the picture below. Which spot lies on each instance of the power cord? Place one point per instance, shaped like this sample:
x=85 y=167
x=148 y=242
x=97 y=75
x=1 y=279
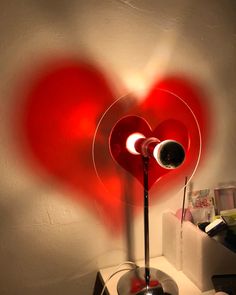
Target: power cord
x=117 y=270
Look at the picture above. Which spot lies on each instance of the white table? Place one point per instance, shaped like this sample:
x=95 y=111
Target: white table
x=186 y=287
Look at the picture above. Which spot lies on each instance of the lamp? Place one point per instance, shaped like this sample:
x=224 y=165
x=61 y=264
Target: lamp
x=150 y=155
x=169 y=154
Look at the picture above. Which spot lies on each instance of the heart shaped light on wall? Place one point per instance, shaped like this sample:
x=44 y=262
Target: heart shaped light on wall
x=67 y=106
x=150 y=154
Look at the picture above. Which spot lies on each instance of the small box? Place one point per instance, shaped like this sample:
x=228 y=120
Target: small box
x=195 y=253
x=225 y=198
x=171 y=239
x=204 y=257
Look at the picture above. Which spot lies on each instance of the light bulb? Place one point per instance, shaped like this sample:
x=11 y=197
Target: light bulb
x=169 y=154
x=131 y=142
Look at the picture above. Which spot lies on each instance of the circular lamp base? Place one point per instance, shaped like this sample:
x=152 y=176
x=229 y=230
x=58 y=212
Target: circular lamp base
x=134 y=283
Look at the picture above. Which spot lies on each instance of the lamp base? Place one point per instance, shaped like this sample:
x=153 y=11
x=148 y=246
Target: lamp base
x=134 y=283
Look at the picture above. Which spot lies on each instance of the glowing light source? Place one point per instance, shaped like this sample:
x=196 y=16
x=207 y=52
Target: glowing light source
x=131 y=142
x=169 y=154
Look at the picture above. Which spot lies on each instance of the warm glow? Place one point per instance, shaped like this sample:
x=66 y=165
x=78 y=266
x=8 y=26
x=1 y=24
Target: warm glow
x=137 y=84
x=131 y=140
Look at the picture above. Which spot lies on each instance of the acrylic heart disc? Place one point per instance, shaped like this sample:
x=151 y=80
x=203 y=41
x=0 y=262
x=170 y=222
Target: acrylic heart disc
x=162 y=115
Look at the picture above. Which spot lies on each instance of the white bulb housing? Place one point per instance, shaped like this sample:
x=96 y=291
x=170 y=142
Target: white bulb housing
x=169 y=154
x=131 y=141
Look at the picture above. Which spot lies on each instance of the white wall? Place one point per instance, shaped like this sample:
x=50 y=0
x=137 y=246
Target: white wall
x=50 y=244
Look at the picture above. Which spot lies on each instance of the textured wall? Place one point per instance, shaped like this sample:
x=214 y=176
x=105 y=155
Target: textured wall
x=50 y=244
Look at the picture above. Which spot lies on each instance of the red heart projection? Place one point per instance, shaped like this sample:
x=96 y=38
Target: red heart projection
x=61 y=108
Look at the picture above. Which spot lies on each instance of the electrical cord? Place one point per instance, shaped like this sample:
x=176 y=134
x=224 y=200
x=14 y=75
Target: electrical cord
x=117 y=270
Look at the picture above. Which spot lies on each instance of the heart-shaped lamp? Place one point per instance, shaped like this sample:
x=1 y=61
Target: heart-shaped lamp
x=132 y=136
x=162 y=115
x=149 y=154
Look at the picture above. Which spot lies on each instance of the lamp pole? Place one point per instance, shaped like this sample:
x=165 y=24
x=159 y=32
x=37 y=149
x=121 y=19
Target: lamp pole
x=146 y=219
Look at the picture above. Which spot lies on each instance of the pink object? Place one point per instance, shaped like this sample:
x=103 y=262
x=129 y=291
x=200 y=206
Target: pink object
x=187 y=214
